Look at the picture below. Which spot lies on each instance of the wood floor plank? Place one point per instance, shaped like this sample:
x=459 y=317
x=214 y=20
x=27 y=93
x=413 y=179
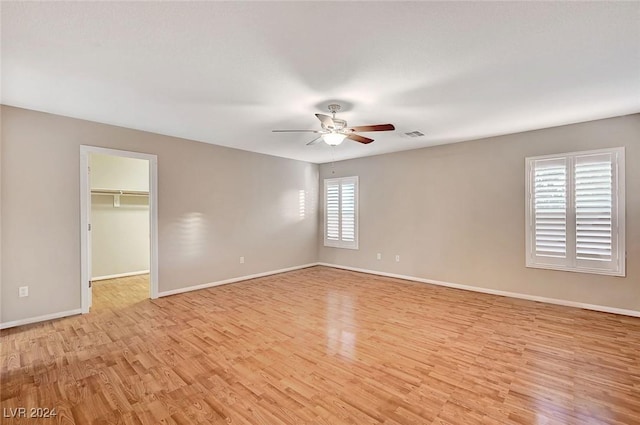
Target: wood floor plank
x=322 y=346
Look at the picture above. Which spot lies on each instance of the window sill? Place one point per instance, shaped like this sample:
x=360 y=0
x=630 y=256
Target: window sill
x=341 y=246
x=614 y=273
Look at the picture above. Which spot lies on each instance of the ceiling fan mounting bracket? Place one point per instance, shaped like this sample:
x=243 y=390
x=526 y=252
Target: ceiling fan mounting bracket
x=333 y=108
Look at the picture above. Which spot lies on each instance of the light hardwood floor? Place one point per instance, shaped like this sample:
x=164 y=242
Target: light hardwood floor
x=332 y=347
x=121 y=293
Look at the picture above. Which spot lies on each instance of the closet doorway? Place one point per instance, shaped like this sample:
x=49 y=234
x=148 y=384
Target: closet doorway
x=118 y=227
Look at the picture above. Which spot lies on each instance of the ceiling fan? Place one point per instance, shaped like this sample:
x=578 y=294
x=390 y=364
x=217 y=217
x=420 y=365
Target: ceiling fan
x=334 y=130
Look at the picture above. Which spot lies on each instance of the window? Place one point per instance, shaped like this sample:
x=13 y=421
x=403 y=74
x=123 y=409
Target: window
x=341 y=212
x=575 y=212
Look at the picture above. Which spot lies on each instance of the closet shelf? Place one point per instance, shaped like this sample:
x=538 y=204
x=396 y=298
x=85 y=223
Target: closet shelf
x=119 y=192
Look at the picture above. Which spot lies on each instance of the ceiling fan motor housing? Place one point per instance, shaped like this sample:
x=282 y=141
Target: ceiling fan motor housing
x=338 y=125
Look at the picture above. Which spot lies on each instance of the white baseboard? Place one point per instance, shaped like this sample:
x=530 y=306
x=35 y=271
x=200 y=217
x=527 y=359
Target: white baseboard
x=115 y=276
x=565 y=303
x=232 y=280
x=37 y=319
x=61 y=314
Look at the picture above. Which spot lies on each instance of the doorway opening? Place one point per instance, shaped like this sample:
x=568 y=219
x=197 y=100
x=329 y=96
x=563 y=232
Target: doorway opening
x=119 y=254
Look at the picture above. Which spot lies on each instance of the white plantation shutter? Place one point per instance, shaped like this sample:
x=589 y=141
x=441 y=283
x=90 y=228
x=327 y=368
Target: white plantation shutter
x=341 y=212
x=550 y=207
x=332 y=211
x=348 y=212
x=594 y=202
x=575 y=214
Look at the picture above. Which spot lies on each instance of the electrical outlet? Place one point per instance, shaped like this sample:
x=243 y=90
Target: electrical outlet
x=23 y=291
x=379 y=256
x=397 y=258
x=241 y=260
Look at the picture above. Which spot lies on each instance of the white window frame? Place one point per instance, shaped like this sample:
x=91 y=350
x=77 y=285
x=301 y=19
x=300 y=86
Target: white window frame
x=341 y=243
x=615 y=267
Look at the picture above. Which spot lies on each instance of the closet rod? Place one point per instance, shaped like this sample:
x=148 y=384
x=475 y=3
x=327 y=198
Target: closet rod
x=119 y=192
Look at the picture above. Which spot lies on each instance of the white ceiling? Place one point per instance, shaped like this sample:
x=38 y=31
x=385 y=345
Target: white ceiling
x=228 y=73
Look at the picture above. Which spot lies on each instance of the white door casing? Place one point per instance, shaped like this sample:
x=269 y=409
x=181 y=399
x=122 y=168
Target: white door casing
x=85 y=219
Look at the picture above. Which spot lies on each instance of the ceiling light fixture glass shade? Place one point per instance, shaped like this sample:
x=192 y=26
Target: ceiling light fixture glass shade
x=333 y=139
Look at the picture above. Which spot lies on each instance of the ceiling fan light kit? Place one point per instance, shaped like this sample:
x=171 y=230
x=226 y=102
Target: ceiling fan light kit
x=334 y=130
x=333 y=139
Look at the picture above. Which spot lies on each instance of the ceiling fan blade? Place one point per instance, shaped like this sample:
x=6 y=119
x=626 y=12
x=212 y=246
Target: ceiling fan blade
x=296 y=131
x=360 y=139
x=376 y=127
x=326 y=120
x=314 y=141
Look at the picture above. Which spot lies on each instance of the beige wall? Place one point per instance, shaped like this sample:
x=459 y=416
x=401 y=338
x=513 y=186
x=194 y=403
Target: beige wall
x=1 y=208
x=215 y=204
x=455 y=213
